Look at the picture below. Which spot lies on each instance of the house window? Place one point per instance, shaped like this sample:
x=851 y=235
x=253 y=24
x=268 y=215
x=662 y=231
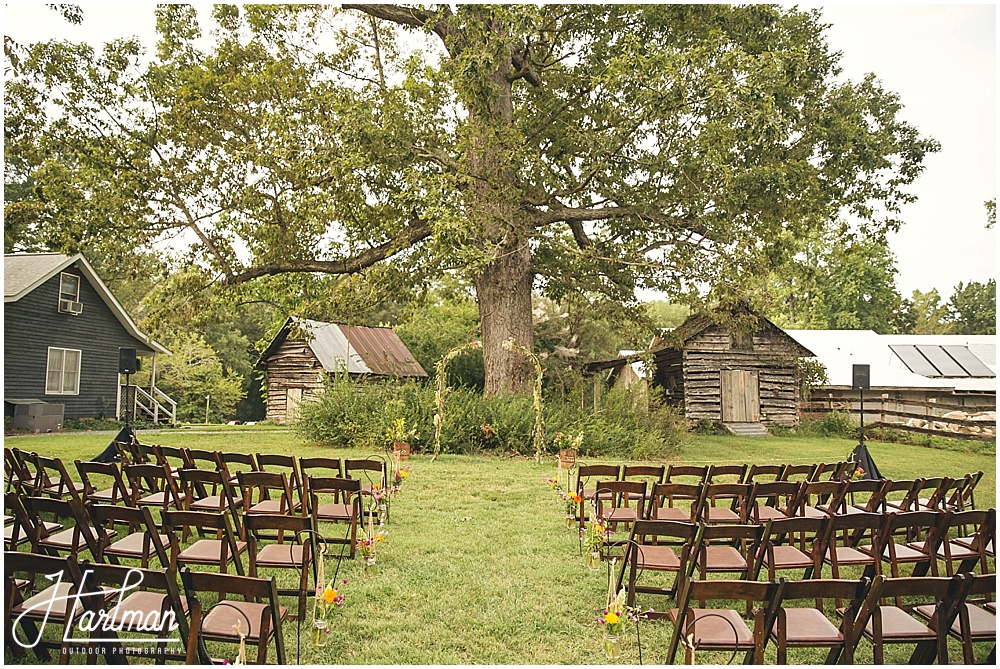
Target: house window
x=62 y=372
x=69 y=287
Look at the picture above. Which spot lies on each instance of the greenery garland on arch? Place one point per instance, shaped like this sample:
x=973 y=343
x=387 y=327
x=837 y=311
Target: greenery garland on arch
x=536 y=393
x=442 y=388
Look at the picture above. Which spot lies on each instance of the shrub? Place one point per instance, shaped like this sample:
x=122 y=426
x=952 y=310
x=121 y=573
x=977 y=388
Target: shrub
x=360 y=414
x=833 y=424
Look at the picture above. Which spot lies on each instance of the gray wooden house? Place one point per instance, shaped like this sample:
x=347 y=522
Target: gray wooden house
x=718 y=374
x=62 y=332
x=304 y=352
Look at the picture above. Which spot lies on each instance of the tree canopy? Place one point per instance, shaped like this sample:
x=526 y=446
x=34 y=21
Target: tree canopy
x=570 y=149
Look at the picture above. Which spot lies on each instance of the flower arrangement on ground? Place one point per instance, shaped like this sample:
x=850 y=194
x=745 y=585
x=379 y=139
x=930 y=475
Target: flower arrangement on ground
x=399 y=432
x=328 y=599
x=567 y=442
x=615 y=617
x=594 y=537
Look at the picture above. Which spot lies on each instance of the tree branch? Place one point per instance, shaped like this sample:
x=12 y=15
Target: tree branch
x=543 y=218
x=408 y=16
x=416 y=231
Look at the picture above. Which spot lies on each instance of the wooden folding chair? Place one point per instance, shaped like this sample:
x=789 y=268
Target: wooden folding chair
x=204 y=490
x=832 y=471
x=719 y=629
x=150 y=605
x=894 y=625
x=591 y=474
x=271 y=490
x=18 y=477
x=772 y=500
x=974 y=624
x=864 y=495
x=322 y=467
x=258 y=619
x=345 y=507
x=81 y=536
x=859 y=529
x=618 y=508
x=725 y=503
x=791 y=543
x=972 y=550
x=27 y=603
x=52 y=479
x=23 y=527
x=235 y=463
x=728 y=549
x=651 y=474
x=763 y=473
x=286 y=464
x=731 y=474
x=902 y=495
x=898 y=550
x=293 y=550
x=218 y=552
x=657 y=546
x=665 y=502
x=118 y=493
x=172 y=457
x=809 y=627
x=686 y=474
x=799 y=473
x=199 y=458
x=143 y=539
x=153 y=486
x=820 y=498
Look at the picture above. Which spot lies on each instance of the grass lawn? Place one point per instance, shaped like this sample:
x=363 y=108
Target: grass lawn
x=479 y=567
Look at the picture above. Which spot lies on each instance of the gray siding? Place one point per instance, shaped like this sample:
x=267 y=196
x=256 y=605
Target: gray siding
x=33 y=324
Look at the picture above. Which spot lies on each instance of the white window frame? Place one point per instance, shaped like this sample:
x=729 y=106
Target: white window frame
x=62 y=390
x=64 y=293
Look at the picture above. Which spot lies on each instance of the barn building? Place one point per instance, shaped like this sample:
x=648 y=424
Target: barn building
x=304 y=352
x=62 y=333
x=719 y=374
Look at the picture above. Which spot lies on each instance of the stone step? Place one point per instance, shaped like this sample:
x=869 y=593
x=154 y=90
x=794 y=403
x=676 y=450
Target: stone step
x=747 y=429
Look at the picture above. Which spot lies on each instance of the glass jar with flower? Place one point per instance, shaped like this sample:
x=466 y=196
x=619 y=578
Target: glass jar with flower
x=367 y=545
x=328 y=599
x=615 y=617
x=594 y=537
x=572 y=501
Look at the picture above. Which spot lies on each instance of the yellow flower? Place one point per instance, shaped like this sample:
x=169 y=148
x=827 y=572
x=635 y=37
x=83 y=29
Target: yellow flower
x=404 y=474
x=611 y=618
x=329 y=595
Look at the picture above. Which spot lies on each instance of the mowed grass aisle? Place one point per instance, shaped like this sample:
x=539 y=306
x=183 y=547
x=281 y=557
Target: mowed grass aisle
x=479 y=566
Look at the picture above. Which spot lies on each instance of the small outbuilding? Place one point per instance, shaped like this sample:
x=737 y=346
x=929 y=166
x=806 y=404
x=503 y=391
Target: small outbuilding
x=718 y=373
x=304 y=352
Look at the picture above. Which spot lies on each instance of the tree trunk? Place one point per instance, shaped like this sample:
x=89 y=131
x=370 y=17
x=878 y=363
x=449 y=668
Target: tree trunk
x=503 y=285
x=503 y=291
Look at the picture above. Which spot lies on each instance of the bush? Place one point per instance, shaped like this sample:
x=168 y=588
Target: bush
x=353 y=414
x=833 y=424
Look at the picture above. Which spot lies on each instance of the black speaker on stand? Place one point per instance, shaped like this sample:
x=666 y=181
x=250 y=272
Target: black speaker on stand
x=127 y=366
x=861 y=381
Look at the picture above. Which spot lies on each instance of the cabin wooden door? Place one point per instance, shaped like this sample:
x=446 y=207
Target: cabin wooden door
x=293 y=397
x=740 y=396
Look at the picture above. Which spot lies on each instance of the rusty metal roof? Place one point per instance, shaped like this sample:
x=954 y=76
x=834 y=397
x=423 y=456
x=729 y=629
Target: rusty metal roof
x=382 y=351
x=356 y=349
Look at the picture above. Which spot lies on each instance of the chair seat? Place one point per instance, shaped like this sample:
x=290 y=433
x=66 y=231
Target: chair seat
x=131 y=546
x=972 y=542
x=672 y=513
x=850 y=556
x=213 y=503
x=66 y=540
x=720 y=514
x=658 y=558
x=280 y=555
x=334 y=511
x=909 y=553
x=788 y=557
x=109 y=496
x=899 y=626
x=8 y=535
x=142 y=602
x=589 y=494
x=622 y=515
x=722 y=558
x=55 y=482
x=156 y=499
x=711 y=632
x=37 y=605
x=208 y=551
x=765 y=513
x=812 y=512
x=809 y=627
x=982 y=623
x=271 y=506
x=220 y=622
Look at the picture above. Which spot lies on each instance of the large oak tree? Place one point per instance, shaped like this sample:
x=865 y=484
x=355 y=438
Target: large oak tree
x=560 y=148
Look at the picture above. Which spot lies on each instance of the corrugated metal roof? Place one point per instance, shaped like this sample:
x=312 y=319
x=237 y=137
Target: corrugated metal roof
x=382 y=351
x=838 y=350
x=364 y=350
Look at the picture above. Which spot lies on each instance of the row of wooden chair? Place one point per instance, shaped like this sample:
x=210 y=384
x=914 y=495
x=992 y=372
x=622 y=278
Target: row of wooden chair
x=875 y=543
x=944 y=606
x=123 y=593
x=757 y=502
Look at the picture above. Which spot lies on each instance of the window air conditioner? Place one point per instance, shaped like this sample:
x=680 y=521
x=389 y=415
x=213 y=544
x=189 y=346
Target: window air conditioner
x=71 y=307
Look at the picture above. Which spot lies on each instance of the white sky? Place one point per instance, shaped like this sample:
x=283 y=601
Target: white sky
x=940 y=59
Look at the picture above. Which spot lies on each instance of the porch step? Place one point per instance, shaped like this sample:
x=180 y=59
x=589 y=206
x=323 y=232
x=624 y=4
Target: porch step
x=747 y=429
